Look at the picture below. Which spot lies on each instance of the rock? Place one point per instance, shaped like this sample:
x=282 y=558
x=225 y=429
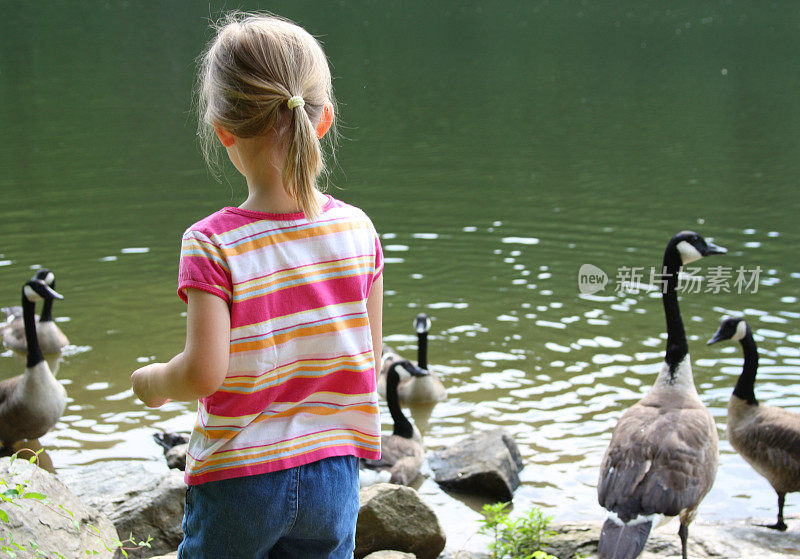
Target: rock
x=486 y=463
x=733 y=539
x=72 y=534
x=176 y=456
x=139 y=502
x=173 y=555
x=464 y=554
x=393 y=517
x=390 y=555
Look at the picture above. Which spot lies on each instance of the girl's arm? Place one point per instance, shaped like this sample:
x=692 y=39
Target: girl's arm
x=375 y=316
x=199 y=370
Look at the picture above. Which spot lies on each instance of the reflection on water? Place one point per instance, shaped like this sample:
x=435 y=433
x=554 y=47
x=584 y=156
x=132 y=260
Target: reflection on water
x=497 y=153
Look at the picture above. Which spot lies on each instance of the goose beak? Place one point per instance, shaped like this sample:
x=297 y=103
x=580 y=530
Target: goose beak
x=41 y=289
x=419 y=372
x=711 y=248
x=53 y=293
x=719 y=336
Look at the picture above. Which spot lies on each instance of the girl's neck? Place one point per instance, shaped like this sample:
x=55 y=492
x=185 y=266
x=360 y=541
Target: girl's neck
x=257 y=159
x=269 y=199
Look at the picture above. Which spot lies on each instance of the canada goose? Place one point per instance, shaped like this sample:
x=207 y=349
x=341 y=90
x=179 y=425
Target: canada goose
x=401 y=452
x=662 y=458
x=51 y=338
x=31 y=403
x=426 y=389
x=767 y=437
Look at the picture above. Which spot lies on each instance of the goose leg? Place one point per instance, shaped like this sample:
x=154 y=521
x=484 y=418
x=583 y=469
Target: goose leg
x=683 y=532
x=780 y=525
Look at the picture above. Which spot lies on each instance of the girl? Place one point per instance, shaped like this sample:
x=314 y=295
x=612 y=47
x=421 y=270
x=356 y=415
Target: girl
x=284 y=299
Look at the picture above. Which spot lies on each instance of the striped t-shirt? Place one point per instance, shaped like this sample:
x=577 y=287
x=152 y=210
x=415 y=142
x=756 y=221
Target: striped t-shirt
x=301 y=378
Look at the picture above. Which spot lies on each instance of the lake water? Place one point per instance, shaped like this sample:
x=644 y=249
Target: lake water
x=497 y=147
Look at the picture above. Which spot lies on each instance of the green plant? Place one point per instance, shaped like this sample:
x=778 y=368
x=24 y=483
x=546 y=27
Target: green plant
x=521 y=538
x=13 y=495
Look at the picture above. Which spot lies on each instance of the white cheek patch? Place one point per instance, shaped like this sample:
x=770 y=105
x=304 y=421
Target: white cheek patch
x=50 y=278
x=688 y=252
x=402 y=372
x=741 y=331
x=30 y=294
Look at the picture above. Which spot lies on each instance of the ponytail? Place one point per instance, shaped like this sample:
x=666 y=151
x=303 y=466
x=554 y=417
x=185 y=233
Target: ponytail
x=303 y=163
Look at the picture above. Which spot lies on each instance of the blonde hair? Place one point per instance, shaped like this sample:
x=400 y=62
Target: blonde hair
x=248 y=73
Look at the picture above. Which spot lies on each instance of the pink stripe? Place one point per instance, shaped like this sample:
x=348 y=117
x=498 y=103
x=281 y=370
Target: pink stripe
x=343 y=381
x=299 y=298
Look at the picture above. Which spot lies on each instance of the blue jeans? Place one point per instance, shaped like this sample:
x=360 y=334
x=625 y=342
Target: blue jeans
x=305 y=512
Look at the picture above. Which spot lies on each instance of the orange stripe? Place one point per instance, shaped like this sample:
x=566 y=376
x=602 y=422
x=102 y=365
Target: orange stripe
x=312 y=330
x=334 y=365
x=288 y=236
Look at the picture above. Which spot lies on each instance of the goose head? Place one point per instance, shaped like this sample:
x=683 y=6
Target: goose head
x=36 y=290
x=422 y=324
x=731 y=328
x=690 y=246
x=48 y=278
x=45 y=275
x=404 y=370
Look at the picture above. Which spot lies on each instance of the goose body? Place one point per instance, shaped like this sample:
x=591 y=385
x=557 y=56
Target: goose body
x=426 y=389
x=51 y=338
x=663 y=454
x=402 y=453
x=767 y=437
x=31 y=403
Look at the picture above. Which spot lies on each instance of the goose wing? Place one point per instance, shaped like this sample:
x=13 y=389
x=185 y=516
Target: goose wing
x=772 y=444
x=7 y=388
x=660 y=461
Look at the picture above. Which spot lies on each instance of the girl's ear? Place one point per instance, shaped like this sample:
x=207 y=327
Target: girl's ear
x=224 y=136
x=325 y=121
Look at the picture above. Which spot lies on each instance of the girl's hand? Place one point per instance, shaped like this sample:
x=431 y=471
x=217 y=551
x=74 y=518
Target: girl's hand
x=141 y=380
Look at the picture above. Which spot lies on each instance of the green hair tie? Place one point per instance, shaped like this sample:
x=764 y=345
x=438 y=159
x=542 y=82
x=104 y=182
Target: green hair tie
x=296 y=101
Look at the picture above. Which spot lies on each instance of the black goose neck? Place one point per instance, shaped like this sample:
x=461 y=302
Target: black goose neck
x=34 y=356
x=402 y=426
x=745 y=386
x=47 y=311
x=677 y=347
x=422 y=350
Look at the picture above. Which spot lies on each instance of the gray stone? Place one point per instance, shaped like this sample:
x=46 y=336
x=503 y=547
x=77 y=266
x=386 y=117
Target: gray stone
x=138 y=501
x=729 y=540
x=47 y=523
x=176 y=456
x=485 y=463
x=390 y=555
x=464 y=554
x=393 y=517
